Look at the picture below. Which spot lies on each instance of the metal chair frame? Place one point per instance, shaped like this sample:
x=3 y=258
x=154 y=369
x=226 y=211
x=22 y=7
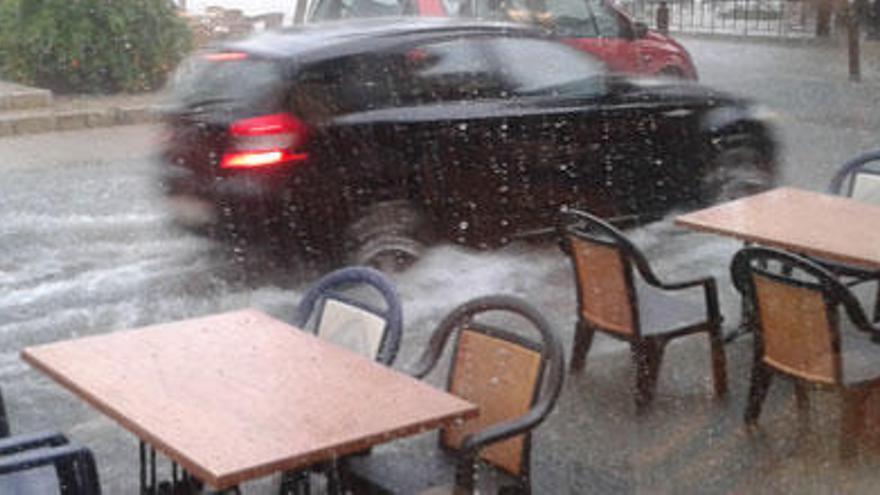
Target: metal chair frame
x=761 y=260
x=550 y=375
x=647 y=350
x=75 y=466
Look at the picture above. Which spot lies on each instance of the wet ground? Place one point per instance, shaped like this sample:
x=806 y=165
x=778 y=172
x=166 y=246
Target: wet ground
x=86 y=247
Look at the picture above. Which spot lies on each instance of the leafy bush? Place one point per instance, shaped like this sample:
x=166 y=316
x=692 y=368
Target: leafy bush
x=91 y=46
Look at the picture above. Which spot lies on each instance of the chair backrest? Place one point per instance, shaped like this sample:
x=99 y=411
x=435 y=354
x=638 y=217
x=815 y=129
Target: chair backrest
x=603 y=261
x=514 y=379
x=796 y=307
x=331 y=310
x=859 y=178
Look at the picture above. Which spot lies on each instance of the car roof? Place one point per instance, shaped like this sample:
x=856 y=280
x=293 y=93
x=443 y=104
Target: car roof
x=331 y=39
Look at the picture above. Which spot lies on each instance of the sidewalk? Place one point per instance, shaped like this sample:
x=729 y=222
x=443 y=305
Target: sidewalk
x=26 y=110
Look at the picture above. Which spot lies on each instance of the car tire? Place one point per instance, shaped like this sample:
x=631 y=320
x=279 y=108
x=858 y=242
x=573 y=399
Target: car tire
x=736 y=172
x=390 y=236
x=389 y=253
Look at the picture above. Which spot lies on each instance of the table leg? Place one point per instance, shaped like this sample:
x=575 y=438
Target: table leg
x=181 y=483
x=147 y=485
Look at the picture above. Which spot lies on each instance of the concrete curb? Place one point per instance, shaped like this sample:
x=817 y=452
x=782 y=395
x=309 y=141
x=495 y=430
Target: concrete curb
x=66 y=119
x=18 y=97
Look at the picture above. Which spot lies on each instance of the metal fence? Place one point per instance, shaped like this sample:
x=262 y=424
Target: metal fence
x=778 y=18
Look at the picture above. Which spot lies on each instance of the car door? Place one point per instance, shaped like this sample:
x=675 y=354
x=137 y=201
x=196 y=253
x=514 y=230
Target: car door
x=474 y=147
x=561 y=91
x=599 y=144
x=425 y=121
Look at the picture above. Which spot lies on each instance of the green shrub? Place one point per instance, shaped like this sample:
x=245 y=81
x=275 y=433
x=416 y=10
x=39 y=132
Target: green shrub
x=91 y=46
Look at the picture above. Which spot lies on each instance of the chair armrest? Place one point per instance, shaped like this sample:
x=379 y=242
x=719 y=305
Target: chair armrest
x=710 y=292
x=501 y=431
x=18 y=443
x=687 y=284
x=465 y=470
x=74 y=465
x=857 y=316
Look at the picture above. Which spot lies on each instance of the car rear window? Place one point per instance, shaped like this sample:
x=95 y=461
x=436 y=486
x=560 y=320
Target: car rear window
x=228 y=81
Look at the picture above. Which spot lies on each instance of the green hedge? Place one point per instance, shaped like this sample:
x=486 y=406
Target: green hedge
x=91 y=46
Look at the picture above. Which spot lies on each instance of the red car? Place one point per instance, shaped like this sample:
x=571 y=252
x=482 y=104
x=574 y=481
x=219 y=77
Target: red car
x=593 y=26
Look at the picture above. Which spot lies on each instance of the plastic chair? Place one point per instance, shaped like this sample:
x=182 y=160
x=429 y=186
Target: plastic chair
x=514 y=379
x=647 y=315
x=802 y=334
x=330 y=310
x=340 y=317
x=859 y=179
x=44 y=463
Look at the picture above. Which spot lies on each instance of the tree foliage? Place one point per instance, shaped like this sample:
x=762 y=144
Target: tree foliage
x=91 y=46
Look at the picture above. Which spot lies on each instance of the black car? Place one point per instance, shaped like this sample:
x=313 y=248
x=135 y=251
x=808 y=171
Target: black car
x=365 y=138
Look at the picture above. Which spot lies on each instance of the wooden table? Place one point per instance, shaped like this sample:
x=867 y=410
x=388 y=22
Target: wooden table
x=240 y=395
x=806 y=222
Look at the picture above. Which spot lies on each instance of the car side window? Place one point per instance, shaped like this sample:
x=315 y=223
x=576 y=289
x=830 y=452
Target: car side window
x=536 y=67
x=447 y=71
x=609 y=22
x=351 y=84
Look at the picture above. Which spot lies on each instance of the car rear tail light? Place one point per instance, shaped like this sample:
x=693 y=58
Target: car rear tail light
x=225 y=56
x=265 y=141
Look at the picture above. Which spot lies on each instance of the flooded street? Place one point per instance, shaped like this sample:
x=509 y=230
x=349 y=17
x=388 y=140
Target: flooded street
x=87 y=248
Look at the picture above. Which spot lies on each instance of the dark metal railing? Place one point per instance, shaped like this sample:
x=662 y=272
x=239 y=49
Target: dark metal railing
x=777 y=18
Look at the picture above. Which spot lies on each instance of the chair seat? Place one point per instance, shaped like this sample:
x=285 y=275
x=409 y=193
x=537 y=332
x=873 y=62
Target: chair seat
x=860 y=356
x=665 y=311
x=37 y=481
x=416 y=466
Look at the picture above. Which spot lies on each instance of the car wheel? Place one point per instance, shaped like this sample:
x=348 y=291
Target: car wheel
x=736 y=172
x=390 y=236
x=389 y=253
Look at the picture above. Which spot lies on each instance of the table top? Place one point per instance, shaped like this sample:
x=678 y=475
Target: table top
x=235 y=396
x=807 y=222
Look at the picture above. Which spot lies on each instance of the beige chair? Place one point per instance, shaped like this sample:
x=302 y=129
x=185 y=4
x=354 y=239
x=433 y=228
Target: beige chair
x=648 y=316
x=859 y=179
x=809 y=328
x=515 y=380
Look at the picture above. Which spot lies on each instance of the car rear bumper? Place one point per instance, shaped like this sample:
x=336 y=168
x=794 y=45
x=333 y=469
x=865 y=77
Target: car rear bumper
x=200 y=200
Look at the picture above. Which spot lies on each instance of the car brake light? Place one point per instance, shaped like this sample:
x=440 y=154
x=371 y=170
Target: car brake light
x=265 y=141
x=225 y=56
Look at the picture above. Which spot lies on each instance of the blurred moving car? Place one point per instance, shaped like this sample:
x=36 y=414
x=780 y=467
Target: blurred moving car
x=364 y=138
x=594 y=26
